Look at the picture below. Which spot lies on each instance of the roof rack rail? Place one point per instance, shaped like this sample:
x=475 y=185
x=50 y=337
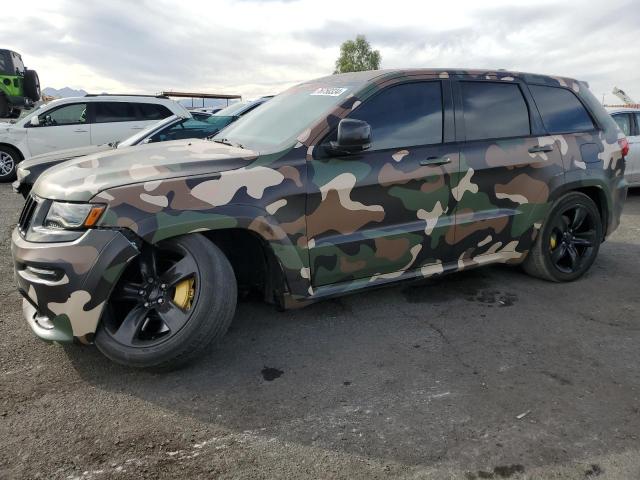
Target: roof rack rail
x=123 y=95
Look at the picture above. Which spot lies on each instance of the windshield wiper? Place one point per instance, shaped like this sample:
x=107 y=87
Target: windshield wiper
x=211 y=135
x=226 y=141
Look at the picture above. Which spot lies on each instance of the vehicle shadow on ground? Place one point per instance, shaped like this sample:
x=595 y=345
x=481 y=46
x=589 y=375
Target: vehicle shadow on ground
x=482 y=366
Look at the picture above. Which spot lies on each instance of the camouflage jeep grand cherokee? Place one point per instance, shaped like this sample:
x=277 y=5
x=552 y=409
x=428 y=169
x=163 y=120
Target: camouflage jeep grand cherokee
x=338 y=184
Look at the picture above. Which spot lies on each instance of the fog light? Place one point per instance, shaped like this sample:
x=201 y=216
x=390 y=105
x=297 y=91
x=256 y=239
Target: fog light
x=43 y=272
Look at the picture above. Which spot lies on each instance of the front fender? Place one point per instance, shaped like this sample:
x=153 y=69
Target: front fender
x=279 y=237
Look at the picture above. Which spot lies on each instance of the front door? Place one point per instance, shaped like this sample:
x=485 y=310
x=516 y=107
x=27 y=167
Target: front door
x=63 y=127
x=386 y=210
x=507 y=164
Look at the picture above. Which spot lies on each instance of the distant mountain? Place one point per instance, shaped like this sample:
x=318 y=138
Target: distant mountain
x=63 y=92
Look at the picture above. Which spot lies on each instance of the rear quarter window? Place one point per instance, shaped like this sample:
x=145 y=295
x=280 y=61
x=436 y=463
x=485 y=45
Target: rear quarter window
x=561 y=110
x=494 y=110
x=624 y=122
x=153 y=111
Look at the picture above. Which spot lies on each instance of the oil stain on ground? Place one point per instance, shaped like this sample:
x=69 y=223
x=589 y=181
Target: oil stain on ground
x=501 y=471
x=445 y=289
x=492 y=297
x=270 y=374
x=594 y=471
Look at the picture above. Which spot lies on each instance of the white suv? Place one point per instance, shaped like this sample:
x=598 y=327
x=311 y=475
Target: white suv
x=78 y=122
x=628 y=119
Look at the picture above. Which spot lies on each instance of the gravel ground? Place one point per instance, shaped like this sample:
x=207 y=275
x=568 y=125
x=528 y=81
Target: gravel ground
x=485 y=374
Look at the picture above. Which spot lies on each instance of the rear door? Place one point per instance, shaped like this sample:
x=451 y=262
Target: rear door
x=113 y=121
x=506 y=165
x=63 y=127
x=388 y=209
x=626 y=123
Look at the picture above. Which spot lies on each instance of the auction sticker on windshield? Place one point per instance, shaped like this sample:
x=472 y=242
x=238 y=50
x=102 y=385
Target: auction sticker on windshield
x=330 y=92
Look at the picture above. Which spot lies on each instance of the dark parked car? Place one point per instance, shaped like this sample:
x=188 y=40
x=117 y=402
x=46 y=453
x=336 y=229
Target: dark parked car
x=171 y=128
x=338 y=184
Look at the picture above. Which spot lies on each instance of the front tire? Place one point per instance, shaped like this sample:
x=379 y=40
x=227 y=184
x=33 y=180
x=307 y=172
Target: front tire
x=569 y=240
x=9 y=160
x=170 y=305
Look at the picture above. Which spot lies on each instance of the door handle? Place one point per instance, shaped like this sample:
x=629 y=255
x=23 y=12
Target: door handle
x=137 y=128
x=541 y=148
x=81 y=131
x=435 y=161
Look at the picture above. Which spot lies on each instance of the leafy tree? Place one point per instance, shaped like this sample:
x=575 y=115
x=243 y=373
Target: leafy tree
x=356 y=56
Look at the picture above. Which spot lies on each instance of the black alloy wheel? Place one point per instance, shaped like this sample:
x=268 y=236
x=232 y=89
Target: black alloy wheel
x=569 y=241
x=173 y=301
x=154 y=301
x=572 y=239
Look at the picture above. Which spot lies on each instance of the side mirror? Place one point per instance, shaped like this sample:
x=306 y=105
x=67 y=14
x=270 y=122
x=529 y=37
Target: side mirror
x=353 y=136
x=35 y=121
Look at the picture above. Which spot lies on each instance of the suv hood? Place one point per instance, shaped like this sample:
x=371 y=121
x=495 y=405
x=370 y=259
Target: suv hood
x=81 y=179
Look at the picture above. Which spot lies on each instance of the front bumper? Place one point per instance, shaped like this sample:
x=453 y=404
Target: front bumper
x=21 y=188
x=66 y=285
x=618 y=199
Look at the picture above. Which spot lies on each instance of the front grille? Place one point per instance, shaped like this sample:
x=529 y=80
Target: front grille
x=27 y=214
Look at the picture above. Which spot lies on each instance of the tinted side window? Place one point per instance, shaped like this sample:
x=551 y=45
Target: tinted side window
x=107 y=112
x=5 y=64
x=624 y=122
x=637 y=132
x=561 y=110
x=494 y=110
x=153 y=111
x=404 y=115
x=67 y=115
x=17 y=63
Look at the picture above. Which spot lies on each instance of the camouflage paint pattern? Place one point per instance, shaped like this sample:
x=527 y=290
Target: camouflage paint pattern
x=335 y=224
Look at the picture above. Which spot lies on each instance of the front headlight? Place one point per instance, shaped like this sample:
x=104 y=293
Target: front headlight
x=72 y=216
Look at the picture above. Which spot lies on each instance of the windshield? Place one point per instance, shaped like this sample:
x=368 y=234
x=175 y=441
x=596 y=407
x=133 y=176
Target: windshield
x=284 y=117
x=192 y=128
x=24 y=119
x=142 y=134
x=231 y=109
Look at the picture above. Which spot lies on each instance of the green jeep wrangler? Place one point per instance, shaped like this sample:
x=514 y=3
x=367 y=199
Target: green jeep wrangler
x=19 y=87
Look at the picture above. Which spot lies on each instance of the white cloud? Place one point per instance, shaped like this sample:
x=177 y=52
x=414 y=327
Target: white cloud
x=261 y=47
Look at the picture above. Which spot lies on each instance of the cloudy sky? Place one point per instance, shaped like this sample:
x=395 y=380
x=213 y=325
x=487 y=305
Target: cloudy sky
x=259 y=47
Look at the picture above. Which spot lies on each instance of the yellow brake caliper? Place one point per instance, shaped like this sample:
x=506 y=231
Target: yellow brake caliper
x=553 y=241
x=185 y=291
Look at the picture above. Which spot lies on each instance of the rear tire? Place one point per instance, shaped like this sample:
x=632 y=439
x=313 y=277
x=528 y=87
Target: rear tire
x=9 y=160
x=158 y=344
x=568 y=242
x=32 y=85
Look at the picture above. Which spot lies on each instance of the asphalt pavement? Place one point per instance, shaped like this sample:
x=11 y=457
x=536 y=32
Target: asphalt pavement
x=483 y=374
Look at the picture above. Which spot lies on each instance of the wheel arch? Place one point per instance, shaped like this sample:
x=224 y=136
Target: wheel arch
x=596 y=190
x=236 y=230
x=14 y=147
